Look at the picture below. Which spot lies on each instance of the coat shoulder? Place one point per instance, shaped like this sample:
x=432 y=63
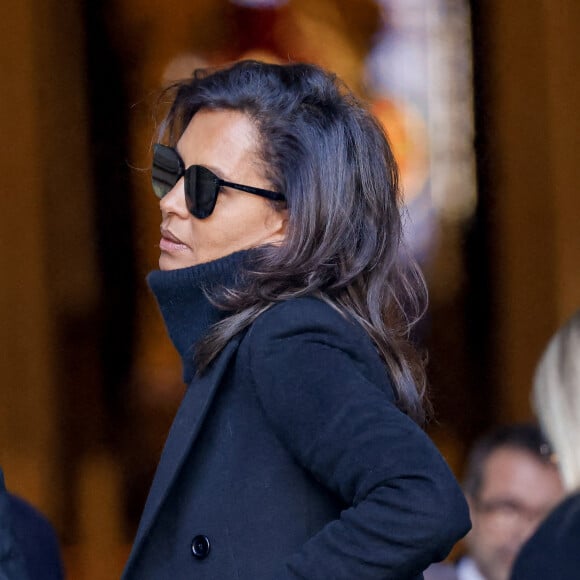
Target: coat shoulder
x=311 y=325
x=312 y=319
x=305 y=310
x=552 y=552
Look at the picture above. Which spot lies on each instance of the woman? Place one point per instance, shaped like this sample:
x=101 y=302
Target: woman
x=554 y=550
x=296 y=452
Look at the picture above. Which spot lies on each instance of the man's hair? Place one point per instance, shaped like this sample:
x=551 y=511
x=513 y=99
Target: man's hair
x=526 y=437
x=330 y=157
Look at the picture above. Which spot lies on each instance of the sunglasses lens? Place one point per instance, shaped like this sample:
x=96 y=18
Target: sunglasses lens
x=201 y=190
x=166 y=171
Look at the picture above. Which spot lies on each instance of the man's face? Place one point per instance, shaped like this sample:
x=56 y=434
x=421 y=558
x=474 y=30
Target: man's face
x=517 y=492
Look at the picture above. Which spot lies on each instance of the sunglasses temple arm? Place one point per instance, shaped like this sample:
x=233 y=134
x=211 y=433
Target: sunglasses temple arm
x=256 y=190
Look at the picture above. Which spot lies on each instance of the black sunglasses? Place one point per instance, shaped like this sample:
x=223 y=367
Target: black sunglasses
x=201 y=185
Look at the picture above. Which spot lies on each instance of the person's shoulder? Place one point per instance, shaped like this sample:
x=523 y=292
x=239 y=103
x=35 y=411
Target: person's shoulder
x=570 y=509
x=553 y=548
x=309 y=329
x=37 y=539
x=304 y=307
x=312 y=320
x=12 y=564
x=30 y=521
x=306 y=314
x=562 y=526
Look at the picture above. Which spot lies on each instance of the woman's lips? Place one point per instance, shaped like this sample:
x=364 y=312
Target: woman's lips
x=171 y=243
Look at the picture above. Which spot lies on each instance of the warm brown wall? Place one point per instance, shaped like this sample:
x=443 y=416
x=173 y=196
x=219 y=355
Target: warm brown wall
x=531 y=126
x=26 y=371
x=563 y=58
x=46 y=250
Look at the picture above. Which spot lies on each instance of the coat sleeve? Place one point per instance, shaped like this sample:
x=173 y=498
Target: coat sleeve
x=405 y=507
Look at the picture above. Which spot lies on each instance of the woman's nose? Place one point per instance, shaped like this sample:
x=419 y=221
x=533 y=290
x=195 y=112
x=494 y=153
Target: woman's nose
x=174 y=201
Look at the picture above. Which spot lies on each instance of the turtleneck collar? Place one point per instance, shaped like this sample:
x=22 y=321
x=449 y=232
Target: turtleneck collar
x=182 y=299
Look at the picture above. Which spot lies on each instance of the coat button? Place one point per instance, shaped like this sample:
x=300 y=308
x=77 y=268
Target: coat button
x=200 y=547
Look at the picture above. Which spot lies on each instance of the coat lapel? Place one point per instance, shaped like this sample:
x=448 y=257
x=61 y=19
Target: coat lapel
x=182 y=435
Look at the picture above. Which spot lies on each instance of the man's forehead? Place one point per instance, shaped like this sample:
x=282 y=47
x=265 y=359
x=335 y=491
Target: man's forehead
x=517 y=472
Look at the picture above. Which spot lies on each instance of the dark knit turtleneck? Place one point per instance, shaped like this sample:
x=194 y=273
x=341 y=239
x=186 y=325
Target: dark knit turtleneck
x=186 y=310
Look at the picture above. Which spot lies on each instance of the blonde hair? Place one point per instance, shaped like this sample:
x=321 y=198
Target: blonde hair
x=557 y=398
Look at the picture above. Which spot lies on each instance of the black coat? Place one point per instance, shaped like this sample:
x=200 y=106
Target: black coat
x=29 y=546
x=289 y=460
x=553 y=552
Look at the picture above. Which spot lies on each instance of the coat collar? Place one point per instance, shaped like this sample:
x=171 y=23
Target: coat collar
x=182 y=435
x=182 y=297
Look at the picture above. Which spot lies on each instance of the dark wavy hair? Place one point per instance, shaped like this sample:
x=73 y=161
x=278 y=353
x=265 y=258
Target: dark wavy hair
x=344 y=242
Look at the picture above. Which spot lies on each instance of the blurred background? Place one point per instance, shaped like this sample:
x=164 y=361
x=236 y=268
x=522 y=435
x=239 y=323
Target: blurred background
x=481 y=101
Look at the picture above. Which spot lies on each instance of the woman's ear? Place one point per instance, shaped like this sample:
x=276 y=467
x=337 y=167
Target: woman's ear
x=277 y=225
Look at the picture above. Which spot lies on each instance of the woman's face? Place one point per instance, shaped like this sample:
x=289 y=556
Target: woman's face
x=226 y=142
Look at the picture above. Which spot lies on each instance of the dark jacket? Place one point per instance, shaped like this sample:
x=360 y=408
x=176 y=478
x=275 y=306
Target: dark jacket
x=553 y=552
x=12 y=564
x=29 y=547
x=288 y=460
